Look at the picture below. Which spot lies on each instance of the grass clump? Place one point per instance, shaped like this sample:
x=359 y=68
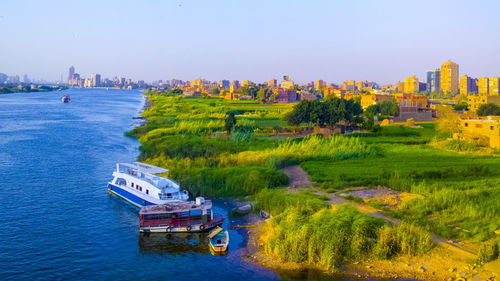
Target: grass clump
x=331 y=236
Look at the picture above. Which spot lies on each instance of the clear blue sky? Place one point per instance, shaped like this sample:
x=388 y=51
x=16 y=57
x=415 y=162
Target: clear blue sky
x=383 y=41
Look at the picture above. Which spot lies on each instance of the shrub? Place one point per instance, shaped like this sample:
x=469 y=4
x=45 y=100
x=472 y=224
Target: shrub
x=402 y=239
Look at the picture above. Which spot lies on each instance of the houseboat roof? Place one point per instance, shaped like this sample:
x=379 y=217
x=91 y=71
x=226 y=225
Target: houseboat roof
x=143 y=167
x=178 y=206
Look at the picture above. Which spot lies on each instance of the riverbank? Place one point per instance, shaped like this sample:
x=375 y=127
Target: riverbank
x=10 y=89
x=439 y=264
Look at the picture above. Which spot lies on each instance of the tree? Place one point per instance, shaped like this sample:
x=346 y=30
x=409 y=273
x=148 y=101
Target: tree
x=262 y=94
x=460 y=106
x=495 y=251
x=449 y=122
x=327 y=113
x=230 y=122
x=216 y=91
x=488 y=109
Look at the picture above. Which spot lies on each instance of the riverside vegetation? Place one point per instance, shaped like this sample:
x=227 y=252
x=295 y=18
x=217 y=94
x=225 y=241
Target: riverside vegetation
x=460 y=191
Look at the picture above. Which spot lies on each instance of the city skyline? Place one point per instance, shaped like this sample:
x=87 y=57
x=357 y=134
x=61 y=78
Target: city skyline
x=384 y=41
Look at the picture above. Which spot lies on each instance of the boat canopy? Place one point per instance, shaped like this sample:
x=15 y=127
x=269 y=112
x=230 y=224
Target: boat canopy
x=143 y=167
x=215 y=232
x=177 y=206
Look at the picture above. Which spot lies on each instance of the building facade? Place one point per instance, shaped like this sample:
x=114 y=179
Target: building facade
x=449 y=77
x=468 y=85
x=493 y=86
x=487 y=128
x=433 y=81
x=411 y=85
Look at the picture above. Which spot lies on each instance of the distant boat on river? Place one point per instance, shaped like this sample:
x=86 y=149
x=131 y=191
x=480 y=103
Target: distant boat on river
x=65 y=99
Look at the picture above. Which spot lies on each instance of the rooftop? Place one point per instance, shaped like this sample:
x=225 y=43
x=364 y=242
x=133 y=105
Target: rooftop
x=143 y=167
x=178 y=206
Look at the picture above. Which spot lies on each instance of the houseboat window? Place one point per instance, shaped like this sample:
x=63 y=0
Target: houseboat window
x=147 y=191
x=491 y=127
x=132 y=184
x=140 y=188
x=195 y=212
x=479 y=126
x=466 y=124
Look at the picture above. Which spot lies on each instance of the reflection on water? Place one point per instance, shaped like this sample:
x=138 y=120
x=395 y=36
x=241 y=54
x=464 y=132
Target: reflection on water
x=174 y=243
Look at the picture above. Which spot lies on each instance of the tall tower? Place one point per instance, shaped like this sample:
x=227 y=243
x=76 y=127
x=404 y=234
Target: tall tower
x=96 y=80
x=433 y=80
x=411 y=85
x=449 y=77
x=71 y=73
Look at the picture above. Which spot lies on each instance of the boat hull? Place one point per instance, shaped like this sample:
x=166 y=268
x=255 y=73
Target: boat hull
x=218 y=249
x=188 y=228
x=131 y=198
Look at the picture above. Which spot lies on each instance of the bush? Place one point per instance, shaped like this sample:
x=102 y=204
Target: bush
x=402 y=239
x=231 y=181
x=482 y=256
x=325 y=238
x=460 y=145
x=495 y=251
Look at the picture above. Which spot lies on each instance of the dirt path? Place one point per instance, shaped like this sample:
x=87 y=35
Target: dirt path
x=298 y=177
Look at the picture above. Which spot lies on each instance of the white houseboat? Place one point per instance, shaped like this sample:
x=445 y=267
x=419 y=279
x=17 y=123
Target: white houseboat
x=139 y=185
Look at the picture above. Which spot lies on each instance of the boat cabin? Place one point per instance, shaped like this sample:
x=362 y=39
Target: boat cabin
x=181 y=216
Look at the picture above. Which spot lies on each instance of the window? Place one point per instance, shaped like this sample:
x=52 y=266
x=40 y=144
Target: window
x=132 y=184
x=479 y=126
x=147 y=191
x=491 y=128
x=466 y=124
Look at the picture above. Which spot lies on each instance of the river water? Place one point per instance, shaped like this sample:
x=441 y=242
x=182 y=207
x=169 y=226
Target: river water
x=58 y=221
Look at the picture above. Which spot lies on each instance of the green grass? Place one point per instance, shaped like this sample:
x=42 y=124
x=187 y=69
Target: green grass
x=328 y=237
x=461 y=191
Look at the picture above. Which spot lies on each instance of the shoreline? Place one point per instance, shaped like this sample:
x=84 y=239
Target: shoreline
x=438 y=264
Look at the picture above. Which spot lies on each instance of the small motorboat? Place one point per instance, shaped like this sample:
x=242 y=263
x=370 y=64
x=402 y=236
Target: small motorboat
x=65 y=99
x=219 y=239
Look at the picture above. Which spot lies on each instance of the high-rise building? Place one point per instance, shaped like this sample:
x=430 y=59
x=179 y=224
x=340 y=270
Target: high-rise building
x=433 y=80
x=71 y=73
x=286 y=77
x=468 y=85
x=224 y=83
x=319 y=83
x=349 y=85
x=411 y=85
x=235 y=83
x=287 y=84
x=96 y=80
x=400 y=86
x=422 y=87
x=483 y=86
x=449 y=77
x=273 y=83
x=493 y=86
x=24 y=79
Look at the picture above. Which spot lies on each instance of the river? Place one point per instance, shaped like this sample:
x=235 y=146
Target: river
x=58 y=221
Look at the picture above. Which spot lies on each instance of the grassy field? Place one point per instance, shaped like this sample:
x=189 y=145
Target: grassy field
x=460 y=191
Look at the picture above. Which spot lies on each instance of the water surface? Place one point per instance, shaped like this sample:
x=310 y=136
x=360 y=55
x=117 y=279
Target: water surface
x=58 y=220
